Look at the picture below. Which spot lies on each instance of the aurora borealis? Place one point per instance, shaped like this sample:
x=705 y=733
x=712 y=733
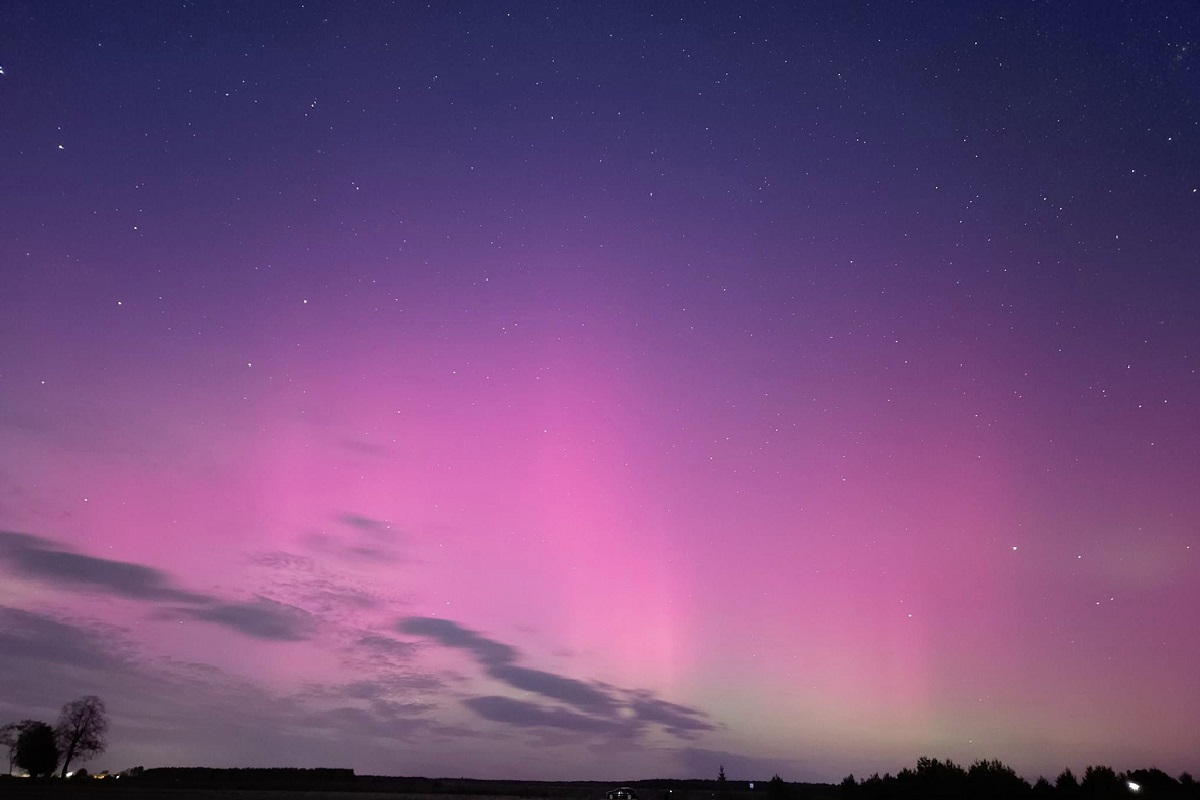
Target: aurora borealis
x=603 y=390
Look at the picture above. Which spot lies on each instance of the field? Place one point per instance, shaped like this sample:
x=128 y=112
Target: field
x=328 y=784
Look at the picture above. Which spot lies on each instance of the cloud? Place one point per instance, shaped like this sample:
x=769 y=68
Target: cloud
x=39 y=558
x=44 y=659
x=366 y=524
x=680 y=720
x=36 y=557
x=367 y=652
x=328 y=595
x=556 y=687
x=186 y=707
x=260 y=618
x=358 y=538
x=597 y=709
x=387 y=645
x=378 y=688
x=487 y=651
x=44 y=640
x=532 y=715
x=280 y=559
x=378 y=722
x=330 y=544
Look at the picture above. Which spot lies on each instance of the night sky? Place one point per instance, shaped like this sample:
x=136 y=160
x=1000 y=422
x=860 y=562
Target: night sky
x=603 y=390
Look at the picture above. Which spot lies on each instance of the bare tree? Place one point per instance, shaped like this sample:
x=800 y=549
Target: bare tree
x=10 y=735
x=80 y=730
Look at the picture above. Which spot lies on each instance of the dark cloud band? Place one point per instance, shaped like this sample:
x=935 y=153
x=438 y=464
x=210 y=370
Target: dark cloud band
x=46 y=561
x=595 y=708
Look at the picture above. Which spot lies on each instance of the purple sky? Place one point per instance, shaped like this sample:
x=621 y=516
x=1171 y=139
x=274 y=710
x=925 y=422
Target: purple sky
x=606 y=390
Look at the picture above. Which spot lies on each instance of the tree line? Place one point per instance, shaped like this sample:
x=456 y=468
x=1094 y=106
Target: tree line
x=992 y=780
x=78 y=735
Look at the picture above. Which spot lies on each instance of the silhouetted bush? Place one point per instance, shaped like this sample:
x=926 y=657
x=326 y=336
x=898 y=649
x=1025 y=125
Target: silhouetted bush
x=37 y=752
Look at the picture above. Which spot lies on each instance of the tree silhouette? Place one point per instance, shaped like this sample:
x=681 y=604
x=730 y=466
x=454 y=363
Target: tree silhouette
x=777 y=788
x=1101 y=783
x=9 y=735
x=37 y=752
x=994 y=780
x=875 y=787
x=932 y=780
x=80 y=730
x=8 y=738
x=1066 y=784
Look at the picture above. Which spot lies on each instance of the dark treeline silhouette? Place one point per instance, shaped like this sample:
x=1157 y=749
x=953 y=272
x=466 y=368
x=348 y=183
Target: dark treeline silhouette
x=931 y=779
x=992 y=780
x=248 y=778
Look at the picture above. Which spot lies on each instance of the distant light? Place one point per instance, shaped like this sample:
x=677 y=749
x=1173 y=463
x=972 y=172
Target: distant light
x=1133 y=787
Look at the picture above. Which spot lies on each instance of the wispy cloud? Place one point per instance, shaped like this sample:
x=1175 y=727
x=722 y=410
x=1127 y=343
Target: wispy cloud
x=556 y=687
x=261 y=618
x=680 y=720
x=42 y=559
x=46 y=561
x=533 y=715
x=387 y=645
x=44 y=640
x=301 y=581
x=487 y=651
x=595 y=707
x=44 y=658
x=358 y=538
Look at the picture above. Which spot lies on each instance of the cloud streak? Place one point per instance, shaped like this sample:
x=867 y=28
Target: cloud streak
x=40 y=558
x=594 y=708
x=44 y=640
x=44 y=560
x=44 y=658
x=260 y=618
x=358 y=538
x=487 y=651
x=532 y=715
